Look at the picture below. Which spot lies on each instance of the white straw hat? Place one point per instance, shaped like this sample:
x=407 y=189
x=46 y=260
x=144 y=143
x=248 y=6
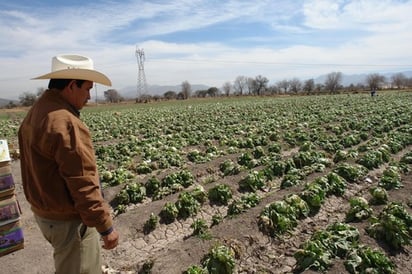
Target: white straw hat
x=77 y=67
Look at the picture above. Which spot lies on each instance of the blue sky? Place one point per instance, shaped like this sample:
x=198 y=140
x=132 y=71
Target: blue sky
x=204 y=42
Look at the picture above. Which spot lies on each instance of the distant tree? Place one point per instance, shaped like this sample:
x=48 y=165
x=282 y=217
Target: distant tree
x=375 y=80
x=240 y=85
x=201 y=93
x=156 y=98
x=227 y=86
x=283 y=86
x=318 y=87
x=112 y=96
x=260 y=85
x=27 y=99
x=186 y=90
x=360 y=86
x=250 y=85
x=180 y=96
x=409 y=82
x=169 y=95
x=145 y=98
x=295 y=85
x=11 y=104
x=352 y=87
x=333 y=81
x=309 y=86
x=399 y=80
x=273 y=89
x=213 y=91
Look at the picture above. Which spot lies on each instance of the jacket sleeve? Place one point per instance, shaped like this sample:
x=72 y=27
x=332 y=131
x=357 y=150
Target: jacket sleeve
x=74 y=154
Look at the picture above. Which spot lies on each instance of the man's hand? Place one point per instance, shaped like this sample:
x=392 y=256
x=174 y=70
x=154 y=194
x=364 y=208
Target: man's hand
x=111 y=240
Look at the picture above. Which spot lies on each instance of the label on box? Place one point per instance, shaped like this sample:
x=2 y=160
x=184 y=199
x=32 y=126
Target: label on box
x=6 y=183
x=4 y=151
x=11 y=238
x=9 y=210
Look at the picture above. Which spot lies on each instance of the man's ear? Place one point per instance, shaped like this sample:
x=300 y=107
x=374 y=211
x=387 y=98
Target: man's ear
x=71 y=85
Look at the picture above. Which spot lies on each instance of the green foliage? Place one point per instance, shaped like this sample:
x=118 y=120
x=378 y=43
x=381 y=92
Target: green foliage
x=220 y=194
x=281 y=216
x=379 y=196
x=195 y=269
x=143 y=168
x=152 y=186
x=337 y=184
x=200 y=229
x=337 y=240
x=182 y=177
x=198 y=157
x=374 y=158
x=391 y=178
x=359 y=210
x=255 y=180
x=220 y=260
x=151 y=223
x=169 y=212
x=276 y=168
x=217 y=219
x=407 y=158
x=393 y=226
x=136 y=192
x=245 y=202
x=366 y=260
x=351 y=173
x=116 y=177
x=247 y=160
x=199 y=194
x=292 y=178
x=228 y=167
x=187 y=205
x=314 y=195
x=131 y=193
x=307 y=158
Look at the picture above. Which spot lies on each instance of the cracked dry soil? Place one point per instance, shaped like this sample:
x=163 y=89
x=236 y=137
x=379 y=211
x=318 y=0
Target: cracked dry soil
x=171 y=248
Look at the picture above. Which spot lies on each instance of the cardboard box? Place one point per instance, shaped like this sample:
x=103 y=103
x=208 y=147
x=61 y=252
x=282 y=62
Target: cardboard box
x=6 y=181
x=11 y=238
x=9 y=210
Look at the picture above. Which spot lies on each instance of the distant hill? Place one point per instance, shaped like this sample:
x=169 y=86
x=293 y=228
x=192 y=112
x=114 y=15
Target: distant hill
x=4 y=102
x=348 y=79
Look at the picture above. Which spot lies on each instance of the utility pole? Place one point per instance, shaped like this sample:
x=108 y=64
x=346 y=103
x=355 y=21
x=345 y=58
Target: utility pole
x=141 y=77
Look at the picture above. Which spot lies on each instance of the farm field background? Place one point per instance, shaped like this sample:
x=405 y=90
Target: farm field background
x=248 y=185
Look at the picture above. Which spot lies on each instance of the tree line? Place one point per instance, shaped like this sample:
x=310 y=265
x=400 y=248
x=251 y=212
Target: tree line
x=258 y=85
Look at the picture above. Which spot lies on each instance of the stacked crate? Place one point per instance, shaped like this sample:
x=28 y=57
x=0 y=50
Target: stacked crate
x=11 y=234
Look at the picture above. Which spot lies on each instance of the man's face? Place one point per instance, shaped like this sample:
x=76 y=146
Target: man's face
x=80 y=95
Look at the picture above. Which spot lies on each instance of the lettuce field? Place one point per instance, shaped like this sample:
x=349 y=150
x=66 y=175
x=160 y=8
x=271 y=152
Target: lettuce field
x=256 y=184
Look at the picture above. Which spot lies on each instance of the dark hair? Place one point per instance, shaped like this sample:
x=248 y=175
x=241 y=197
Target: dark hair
x=62 y=83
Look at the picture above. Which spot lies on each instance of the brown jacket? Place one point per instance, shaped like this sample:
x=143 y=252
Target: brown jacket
x=58 y=164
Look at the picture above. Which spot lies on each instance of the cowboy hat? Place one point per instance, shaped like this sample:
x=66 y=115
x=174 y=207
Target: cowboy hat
x=77 y=67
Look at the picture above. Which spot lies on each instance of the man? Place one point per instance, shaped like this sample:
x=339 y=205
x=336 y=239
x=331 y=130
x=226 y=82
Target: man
x=59 y=171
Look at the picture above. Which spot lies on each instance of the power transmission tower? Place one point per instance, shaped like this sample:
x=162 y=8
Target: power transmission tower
x=141 y=78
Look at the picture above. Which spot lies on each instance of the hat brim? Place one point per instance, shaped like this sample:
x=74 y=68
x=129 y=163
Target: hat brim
x=78 y=74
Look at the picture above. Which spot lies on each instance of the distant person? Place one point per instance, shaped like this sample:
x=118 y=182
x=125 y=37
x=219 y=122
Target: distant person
x=373 y=92
x=59 y=170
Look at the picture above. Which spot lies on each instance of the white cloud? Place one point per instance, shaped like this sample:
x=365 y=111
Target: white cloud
x=377 y=36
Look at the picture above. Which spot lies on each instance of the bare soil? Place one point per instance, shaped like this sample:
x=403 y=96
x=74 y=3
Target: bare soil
x=171 y=248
